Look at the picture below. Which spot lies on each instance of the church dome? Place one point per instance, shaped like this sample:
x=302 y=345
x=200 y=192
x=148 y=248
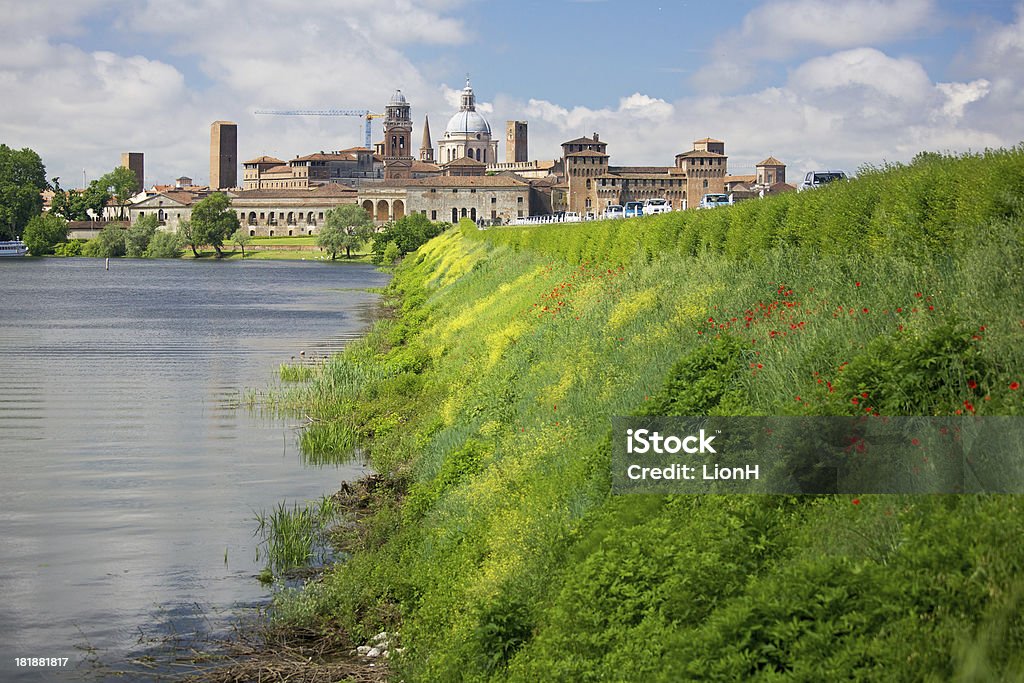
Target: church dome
x=398 y=98
x=467 y=123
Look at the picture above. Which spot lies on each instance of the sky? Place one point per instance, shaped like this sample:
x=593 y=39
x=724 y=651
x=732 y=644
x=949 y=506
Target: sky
x=815 y=84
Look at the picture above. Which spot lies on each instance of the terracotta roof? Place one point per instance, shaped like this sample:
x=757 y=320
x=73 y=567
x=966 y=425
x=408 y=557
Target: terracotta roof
x=324 y=156
x=264 y=160
x=587 y=153
x=465 y=161
x=280 y=169
x=780 y=187
x=467 y=181
x=699 y=153
x=640 y=169
x=707 y=140
x=425 y=167
x=585 y=141
x=740 y=178
x=357 y=149
x=185 y=198
x=319 y=191
x=771 y=161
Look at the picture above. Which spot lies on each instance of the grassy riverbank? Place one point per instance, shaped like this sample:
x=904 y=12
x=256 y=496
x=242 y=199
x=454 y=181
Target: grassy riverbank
x=497 y=552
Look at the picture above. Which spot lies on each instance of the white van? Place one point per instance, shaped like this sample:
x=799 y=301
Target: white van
x=652 y=206
x=815 y=179
x=613 y=211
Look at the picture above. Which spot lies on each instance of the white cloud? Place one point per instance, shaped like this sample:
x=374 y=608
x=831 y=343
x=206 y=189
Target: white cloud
x=778 y=30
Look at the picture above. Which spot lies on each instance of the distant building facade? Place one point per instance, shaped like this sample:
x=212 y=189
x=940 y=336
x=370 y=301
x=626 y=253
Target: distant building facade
x=135 y=162
x=223 y=155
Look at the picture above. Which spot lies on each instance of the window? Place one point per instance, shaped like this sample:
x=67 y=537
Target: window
x=473 y=191
x=433 y=215
x=434 y=190
x=519 y=200
x=494 y=200
x=455 y=191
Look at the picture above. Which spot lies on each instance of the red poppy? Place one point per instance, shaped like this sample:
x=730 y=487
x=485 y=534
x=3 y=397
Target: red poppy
x=916 y=442
x=855 y=501
x=972 y=384
x=854 y=400
x=1014 y=386
x=857 y=284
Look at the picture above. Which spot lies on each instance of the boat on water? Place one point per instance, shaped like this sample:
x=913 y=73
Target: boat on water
x=15 y=248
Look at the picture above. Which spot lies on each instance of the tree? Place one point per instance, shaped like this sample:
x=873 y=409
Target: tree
x=391 y=253
x=408 y=232
x=186 y=236
x=120 y=184
x=109 y=243
x=139 y=235
x=76 y=205
x=22 y=181
x=241 y=238
x=346 y=227
x=45 y=232
x=212 y=222
x=164 y=245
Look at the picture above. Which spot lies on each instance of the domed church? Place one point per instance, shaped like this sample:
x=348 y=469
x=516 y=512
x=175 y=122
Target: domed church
x=467 y=134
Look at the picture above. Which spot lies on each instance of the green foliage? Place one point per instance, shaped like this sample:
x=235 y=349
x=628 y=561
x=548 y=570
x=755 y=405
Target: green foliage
x=408 y=233
x=139 y=235
x=22 y=179
x=120 y=184
x=346 y=227
x=109 y=243
x=164 y=244
x=499 y=553
x=80 y=205
x=43 y=233
x=241 y=238
x=70 y=248
x=211 y=223
x=391 y=253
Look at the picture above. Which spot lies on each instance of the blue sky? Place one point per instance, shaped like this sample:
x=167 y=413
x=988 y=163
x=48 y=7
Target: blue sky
x=836 y=84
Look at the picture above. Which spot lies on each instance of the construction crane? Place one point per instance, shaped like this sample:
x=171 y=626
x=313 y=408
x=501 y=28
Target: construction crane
x=362 y=113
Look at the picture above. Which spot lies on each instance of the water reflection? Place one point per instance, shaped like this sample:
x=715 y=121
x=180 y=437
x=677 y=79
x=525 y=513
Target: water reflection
x=127 y=472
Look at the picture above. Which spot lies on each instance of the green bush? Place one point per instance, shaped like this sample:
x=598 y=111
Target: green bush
x=498 y=552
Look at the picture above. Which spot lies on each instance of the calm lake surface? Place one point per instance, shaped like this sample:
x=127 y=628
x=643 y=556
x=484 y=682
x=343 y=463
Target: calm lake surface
x=127 y=471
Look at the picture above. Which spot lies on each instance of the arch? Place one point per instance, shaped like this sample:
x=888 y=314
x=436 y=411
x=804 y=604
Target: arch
x=368 y=206
x=310 y=219
x=291 y=232
x=463 y=212
x=472 y=214
x=291 y=218
x=252 y=218
x=455 y=215
x=398 y=208
x=383 y=210
x=271 y=233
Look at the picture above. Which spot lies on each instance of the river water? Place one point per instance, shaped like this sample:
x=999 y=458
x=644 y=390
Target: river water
x=129 y=475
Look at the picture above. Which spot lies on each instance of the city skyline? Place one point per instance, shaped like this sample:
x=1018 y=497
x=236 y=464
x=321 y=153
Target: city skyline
x=813 y=84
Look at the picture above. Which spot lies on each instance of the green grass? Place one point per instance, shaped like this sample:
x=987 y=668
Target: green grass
x=487 y=399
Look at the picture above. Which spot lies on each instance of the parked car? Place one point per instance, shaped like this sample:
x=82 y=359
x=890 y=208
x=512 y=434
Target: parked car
x=571 y=217
x=815 y=179
x=711 y=201
x=633 y=209
x=652 y=206
x=613 y=211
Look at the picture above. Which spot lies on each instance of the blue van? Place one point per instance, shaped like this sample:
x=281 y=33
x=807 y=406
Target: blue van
x=633 y=209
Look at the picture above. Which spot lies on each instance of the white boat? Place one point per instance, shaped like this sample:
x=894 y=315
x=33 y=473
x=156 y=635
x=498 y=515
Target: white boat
x=15 y=248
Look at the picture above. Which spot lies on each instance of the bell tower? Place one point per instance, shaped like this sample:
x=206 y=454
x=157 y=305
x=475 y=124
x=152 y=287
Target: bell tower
x=397 y=137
